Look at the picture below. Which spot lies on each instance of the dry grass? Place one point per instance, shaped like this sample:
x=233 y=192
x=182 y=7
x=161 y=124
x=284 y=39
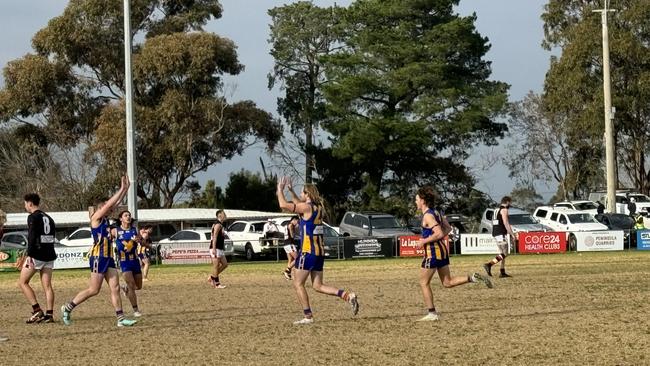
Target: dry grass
x=561 y=309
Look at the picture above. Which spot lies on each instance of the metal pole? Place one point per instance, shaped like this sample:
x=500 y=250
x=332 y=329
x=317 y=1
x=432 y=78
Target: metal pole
x=610 y=158
x=130 y=137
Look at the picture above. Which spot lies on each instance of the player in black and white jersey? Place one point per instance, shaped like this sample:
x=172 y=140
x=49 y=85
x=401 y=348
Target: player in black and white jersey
x=40 y=257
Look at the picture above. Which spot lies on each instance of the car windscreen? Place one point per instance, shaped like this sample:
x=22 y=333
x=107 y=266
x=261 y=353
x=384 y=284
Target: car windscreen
x=521 y=220
x=581 y=218
x=640 y=197
x=586 y=206
x=387 y=222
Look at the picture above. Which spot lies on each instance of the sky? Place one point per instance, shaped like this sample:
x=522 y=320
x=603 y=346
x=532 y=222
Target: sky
x=513 y=27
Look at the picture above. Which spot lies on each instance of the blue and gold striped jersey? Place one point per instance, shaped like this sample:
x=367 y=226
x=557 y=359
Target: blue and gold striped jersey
x=102 y=245
x=126 y=244
x=437 y=249
x=311 y=232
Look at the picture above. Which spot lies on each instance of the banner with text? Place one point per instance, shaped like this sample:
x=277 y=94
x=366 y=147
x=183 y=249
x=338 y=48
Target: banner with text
x=643 y=240
x=185 y=253
x=478 y=244
x=370 y=247
x=542 y=242
x=408 y=246
x=591 y=241
x=71 y=257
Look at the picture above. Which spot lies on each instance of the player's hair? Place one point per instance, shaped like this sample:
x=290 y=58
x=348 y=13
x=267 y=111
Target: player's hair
x=506 y=200
x=429 y=195
x=221 y=212
x=119 y=217
x=312 y=192
x=34 y=198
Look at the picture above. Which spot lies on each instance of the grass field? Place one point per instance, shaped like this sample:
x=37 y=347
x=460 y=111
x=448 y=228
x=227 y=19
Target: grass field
x=581 y=309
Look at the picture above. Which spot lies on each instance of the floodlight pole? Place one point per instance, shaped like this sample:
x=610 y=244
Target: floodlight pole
x=130 y=137
x=610 y=157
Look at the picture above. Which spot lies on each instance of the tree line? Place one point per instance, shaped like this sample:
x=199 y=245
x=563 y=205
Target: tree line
x=377 y=98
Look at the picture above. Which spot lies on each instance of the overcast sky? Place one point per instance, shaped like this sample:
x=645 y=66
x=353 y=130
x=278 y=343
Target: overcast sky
x=513 y=27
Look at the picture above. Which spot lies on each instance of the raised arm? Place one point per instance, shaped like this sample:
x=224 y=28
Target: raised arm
x=296 y=207
x=111 y=203
x=294 y=197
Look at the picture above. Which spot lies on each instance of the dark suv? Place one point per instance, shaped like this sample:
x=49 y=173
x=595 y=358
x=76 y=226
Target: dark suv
x=371 y=224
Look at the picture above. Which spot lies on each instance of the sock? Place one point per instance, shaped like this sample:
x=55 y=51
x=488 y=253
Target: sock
x=49 y=313
x=288 y=270
x=470 y=278
x=217 y=280
x=119 y=314
x=503 y=270
x=135 y=308
x=496 y=259
x=345 y=295
x=432 y=310
x=69 y=306
x=36 y=308
x=214 y=279
x=307 y=312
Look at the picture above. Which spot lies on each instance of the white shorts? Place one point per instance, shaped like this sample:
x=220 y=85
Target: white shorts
x=36 y=264
x=503 y=242
x=217 y=253
x=289 y=248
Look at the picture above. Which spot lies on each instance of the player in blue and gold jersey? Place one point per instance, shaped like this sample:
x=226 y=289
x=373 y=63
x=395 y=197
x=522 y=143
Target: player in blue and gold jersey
x=311 y=253
x=436 y=254
x=126 y=242
x=144 y=246
x=102 y=264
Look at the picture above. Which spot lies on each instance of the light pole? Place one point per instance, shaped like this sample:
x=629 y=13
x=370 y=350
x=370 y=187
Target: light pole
x=610 y=157
x=130 y=137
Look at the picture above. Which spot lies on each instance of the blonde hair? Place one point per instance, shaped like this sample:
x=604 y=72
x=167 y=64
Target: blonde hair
x=312 y=192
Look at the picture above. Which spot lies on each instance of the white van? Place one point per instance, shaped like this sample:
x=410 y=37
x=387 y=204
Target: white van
x=563 y=219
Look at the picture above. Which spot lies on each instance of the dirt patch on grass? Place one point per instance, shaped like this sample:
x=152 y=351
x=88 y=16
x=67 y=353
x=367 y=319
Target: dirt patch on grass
x=557 y=309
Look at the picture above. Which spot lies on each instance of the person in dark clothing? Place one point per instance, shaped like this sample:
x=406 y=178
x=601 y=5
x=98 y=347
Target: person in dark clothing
x=631 y=207
x=217 y=250
x=502 y=232
x=40 y=257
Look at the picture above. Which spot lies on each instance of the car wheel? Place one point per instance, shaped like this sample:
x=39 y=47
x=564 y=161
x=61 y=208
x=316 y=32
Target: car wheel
x=250 y=254
x=573 y=242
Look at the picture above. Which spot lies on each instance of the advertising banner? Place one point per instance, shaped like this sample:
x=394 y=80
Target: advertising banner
x=478 y=244
x=408 y=246
x=185 y=253
x=71 y=257
x=599 y=240
x=8 y=258
x=643 y=240
x=370 y=247
x=542 y=242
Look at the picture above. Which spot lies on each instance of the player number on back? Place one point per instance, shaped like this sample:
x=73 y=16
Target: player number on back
x=46 y=225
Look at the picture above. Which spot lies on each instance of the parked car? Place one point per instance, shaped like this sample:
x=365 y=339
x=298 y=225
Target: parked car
x=18 y=240
x=587 y=206
x=617 y=221
x=561 y=219
x=520 y=221
x=200 y=235
x=642 y=201
x=333 y=242
x=246 y=237
x=81 y=237
x=371 y=224
x=162 y=231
